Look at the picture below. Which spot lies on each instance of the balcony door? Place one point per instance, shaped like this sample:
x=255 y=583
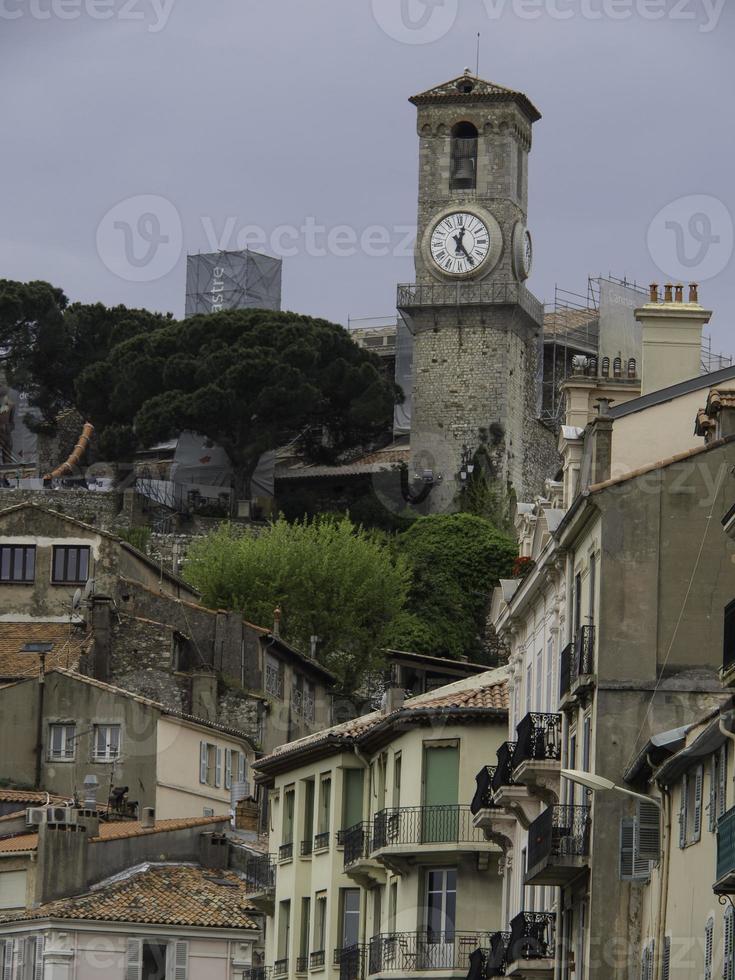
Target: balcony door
x=440 y=815
x=436 y=950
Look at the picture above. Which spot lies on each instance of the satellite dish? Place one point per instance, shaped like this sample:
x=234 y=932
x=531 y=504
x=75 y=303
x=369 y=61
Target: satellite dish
x=88 y=588
x=76 y=599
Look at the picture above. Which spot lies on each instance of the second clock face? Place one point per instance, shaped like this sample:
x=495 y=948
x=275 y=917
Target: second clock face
x=460 y=243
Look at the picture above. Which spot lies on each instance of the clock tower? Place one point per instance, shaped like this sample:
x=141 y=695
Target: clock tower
x=478 y=331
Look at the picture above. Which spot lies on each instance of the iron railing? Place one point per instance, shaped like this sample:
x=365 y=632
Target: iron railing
x=280 y=968
x=256 y=973
x=274 y=681
x=317 y=959
x=285 y=852
x=483 y=798
x=560 y=831
x=425 y=825
x=498 y=955
x=356 y=842
x=297 y=701
x=413 y=296
x=531 y=936
x=260 y=873
x=503 y=775
x=321 y=841
x=302 y=964
x=539 y=739
x=726 y=844
x=309 y=706
x=351 y=961
x=409 y=952
x=307 y=846
x=584 y=652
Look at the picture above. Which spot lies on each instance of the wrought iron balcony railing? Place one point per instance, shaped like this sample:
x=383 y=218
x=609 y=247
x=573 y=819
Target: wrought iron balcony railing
x=539 y=739
x=285 y=851
x=356 y=842
x=413 y=296
x=577 y=659
x=531 y=936
x=726 y=852
x=425 y=825
x=498 y=955
x=307 y=846
x=256 y=973
x=410 y=952
x=483 y=798
x=280 y=968
x=351 y=961
x=302 y=964
x=560 y=831
x=317 y=959
x=260 y=873
x=503 y=775
x=321 y=841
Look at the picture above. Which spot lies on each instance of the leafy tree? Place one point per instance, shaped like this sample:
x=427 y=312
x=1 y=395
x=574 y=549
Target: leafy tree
x=331 y=579
x=455 y=559
x=250 y=380
x=47 y=342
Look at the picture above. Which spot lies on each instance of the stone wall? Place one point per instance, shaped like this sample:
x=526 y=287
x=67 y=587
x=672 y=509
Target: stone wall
x=100 y=510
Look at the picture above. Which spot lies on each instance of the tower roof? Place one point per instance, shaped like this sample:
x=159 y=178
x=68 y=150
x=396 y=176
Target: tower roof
x=468 y=89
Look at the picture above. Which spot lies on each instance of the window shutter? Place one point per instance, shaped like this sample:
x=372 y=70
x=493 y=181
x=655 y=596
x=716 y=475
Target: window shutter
x=134 y=959
x=19 y=958
x=7 y=960
x=38 y=966
x=218 y=769
x=228 y=768
x=728 y=964
x=627 y=844
x=722 y=782
x=709 y=930
x=666 y=965
x=698 y=794
x=181 y=960
x=683 y=811
x=648 y=832
x=651 y=958
x=202 y=762
x=241 y=767
x=713 y=783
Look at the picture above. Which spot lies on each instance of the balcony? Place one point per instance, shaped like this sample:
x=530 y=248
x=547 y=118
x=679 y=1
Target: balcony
x=578 y=666
x=358 y=864
x=317 y=960
x=497 y=957
x=406 y=836
x=530 y=951
x=412 y=297
x=255 y=973
x=558 y=845
x=351 y=961
x=497 y=823
x=280 y=968
x=302 y=964
x=321 y=841
x=508 y=790
x=260 y=878
x=285 y=852
x=536 y=760
x=402 y=953
x=725 y=884
x=307 y=848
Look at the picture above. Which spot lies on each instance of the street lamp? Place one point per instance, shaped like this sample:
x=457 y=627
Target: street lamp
x=600 y=784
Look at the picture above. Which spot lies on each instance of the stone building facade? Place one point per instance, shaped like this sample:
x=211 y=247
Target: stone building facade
x=478 y=331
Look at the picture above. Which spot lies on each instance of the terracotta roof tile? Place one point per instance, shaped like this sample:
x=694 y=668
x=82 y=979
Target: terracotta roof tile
x=115 y=830
x=174 y=895
x=69 y=643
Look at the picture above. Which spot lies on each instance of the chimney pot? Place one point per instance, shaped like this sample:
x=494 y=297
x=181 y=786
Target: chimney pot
x=668 y=293
x=654 y=292
x=693 y=292
x=277 y=621
x=148 y=819
x=679 y=294
x=91 y=783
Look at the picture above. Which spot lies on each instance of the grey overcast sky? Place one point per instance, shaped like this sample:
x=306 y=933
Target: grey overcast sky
x=201 y=122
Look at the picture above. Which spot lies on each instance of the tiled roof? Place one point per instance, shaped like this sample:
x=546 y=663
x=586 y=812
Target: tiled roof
x=115 y=830
x=482 y=692
x=29 y=796
x=482 y=90
x=69 y=643
x=172 y=895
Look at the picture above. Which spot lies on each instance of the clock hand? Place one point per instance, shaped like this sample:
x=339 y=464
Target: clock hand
x=459 y=247
x=469 y=257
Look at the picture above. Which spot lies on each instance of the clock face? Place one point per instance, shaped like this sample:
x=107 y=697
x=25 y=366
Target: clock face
x=460 y=243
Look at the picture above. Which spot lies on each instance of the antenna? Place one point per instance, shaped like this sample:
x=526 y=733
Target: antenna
x=477 y=73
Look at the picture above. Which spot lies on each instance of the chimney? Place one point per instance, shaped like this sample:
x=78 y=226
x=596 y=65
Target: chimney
x=598 y=443
x=204 y=695
x=91 y=785
x=214 y=851
x=672 y=338
x=277 y=621
x=148 y=818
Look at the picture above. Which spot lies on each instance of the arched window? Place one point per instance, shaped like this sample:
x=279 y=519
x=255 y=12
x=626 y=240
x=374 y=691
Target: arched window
x=464 y=157
x=632 y=368
x=606 y=367
x=618 y=367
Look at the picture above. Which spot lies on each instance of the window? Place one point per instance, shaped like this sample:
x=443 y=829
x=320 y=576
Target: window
x=17 y=563
x=539 y=706
x=61 y=742
x=320 y=921
x=273 y=676
x=377 y=910
x=592 y=588
x=728 y=653
x=728 y=942
x=305 y=926
x=709 y=930
x=577 y=602
x=352 y=797
x=550 y=674
x=717 y=787
x=284 y=929
x=441 y=904
x=308 y=834
x=157 y=960
x=464 y=157
x=529 y=685
x=392 y=906
x=350 y=917
x=106 y=742
x=71 y=565
x=571 y=764
x=297 y=695
x=325 y=802
x=210 y=765
x=519 y=172
x=288 y=814
x=586 y=740
x=397 y=764
x=690 y=810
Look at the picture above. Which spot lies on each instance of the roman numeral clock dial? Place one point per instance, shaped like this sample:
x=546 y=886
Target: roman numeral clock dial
x=460 y=244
